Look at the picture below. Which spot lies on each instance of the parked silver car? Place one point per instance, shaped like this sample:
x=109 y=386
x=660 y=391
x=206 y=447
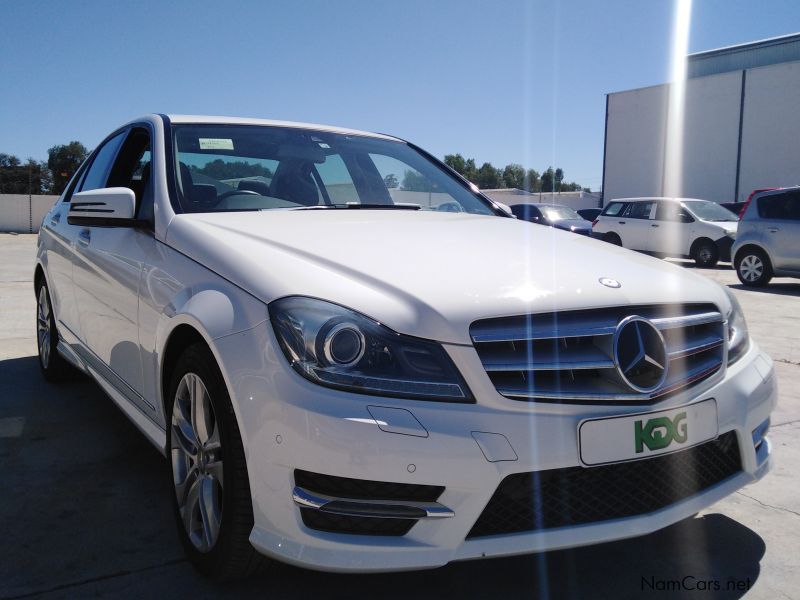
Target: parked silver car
x=768 y=242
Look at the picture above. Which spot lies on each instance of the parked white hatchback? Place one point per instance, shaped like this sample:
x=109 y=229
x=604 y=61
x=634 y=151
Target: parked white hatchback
x=677 y=227
x=354 y=361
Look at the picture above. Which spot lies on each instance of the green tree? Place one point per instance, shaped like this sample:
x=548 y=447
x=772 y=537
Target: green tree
x=415 y=182
x=63 y=160
x=220 y=169
x=33 y=177
x=471 y=171
x=548 y=180
x=532 y=182
x=514 y=176
x=558 y=178
x=488 y=177
x=456 y=162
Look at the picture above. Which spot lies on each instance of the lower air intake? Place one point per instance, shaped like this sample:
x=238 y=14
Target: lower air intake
x=578 y=495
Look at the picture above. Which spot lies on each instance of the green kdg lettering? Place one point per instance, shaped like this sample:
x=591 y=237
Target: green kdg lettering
x=660 y=432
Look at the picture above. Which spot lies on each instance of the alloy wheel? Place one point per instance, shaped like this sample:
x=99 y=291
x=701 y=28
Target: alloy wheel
x=751 y=268
x=43 y=331
x=196 y=454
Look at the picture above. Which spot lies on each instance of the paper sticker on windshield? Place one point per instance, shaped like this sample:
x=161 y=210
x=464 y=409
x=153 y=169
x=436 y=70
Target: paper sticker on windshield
x=215 y=144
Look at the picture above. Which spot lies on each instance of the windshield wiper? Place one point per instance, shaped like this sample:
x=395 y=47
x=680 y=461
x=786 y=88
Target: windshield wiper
x=358 y=205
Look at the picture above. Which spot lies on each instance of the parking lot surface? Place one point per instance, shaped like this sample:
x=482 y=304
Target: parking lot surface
x=85 y=505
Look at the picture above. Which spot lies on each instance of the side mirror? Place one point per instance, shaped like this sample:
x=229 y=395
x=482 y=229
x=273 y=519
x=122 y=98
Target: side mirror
x=106 y=207
x=686 y=218
x=505 y=208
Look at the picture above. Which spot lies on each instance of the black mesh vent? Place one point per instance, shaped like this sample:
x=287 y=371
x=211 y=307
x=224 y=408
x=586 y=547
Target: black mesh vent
x=361 y=489
x=577 y=495
x=321 y=521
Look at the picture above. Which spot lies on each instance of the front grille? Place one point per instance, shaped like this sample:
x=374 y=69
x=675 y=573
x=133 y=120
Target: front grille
x=568 y=356
x=578 y=495
x=361 y=489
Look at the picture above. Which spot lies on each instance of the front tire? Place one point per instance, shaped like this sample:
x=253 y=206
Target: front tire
x=753 y=268
x=53 y=366
x=705 y=254
x=211 y=500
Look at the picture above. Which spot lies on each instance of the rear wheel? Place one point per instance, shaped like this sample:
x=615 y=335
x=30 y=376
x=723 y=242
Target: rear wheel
x=753 y=268
x=612 y=238
x=705 y=254
x=53 y=366
x=212 y=504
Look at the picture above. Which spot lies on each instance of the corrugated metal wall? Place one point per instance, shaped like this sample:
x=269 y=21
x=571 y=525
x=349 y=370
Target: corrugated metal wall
x=767 y=107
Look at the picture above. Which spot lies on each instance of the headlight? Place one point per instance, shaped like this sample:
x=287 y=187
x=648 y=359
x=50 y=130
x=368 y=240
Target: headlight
x=336 y=347
x=738 y=338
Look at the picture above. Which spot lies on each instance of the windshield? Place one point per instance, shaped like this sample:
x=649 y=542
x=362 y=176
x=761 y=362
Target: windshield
x=559 y=213
x=251 y=167
x=709 y=211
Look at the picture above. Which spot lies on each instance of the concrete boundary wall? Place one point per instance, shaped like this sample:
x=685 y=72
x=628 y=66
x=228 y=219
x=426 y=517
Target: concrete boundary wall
x=21 y=213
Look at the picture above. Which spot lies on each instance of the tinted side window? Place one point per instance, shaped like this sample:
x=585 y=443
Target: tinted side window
x=97 y=175
x=639 y=210
x=613 y=209
x=793 y=206
x=670 y=211
x=131 y=169
x=785 y=206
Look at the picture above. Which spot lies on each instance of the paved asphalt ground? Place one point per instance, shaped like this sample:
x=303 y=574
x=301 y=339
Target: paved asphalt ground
x=84 y=499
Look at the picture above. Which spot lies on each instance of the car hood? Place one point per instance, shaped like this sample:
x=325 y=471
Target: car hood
x=428 y=274
x=726 y=225
x=573 y=224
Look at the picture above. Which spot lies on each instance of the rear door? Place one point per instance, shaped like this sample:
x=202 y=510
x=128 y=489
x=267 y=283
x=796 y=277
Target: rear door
x=780 y=214
x=635 y=224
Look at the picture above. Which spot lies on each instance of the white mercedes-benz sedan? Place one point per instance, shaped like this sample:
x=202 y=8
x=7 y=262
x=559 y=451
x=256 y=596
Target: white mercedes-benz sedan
x=354 y=361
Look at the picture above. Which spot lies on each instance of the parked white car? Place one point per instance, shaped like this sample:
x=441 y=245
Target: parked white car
x=354 y=361
x=677 y=227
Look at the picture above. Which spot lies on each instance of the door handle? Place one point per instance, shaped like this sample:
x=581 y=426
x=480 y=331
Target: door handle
x=84 y=237
x=653 y=224
x=622 y=222
x=774 y=229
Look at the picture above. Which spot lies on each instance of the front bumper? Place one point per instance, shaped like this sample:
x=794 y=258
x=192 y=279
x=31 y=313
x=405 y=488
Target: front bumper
x=724 y=245
x=288 y=423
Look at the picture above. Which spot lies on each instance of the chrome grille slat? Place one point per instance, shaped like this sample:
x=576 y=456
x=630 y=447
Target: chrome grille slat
x=568 y=356
x=581 y=358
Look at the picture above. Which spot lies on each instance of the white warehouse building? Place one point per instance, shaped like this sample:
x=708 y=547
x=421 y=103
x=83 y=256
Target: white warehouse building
x=741 y=127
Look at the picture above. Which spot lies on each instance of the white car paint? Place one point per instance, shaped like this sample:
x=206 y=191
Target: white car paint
x=661 y=236
x=119 y=293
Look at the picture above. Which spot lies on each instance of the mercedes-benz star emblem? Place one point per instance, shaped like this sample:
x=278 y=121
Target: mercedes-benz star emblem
x=608 y=282
x=640 y=354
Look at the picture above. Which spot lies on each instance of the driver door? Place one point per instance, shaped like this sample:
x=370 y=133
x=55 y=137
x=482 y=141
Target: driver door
x=108 y=263
x=670 y=230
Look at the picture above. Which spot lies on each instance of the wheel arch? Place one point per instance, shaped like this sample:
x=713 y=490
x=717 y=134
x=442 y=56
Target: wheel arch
x=751 y=246
x=701 y=240
x=185 y=331
x=38 y=276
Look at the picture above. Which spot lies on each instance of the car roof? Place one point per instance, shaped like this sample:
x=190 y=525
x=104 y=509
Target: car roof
x=542 y=205
x=668 y=199
x=220 y=120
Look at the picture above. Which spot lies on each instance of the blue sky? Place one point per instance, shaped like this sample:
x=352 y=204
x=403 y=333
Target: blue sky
x=504 y=81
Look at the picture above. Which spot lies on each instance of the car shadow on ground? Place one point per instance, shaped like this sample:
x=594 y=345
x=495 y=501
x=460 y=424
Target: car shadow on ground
x=776 y=288
x=87 y=512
